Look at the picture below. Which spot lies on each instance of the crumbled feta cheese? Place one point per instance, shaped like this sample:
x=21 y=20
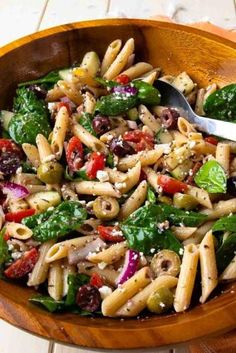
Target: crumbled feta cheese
x=19 y=170
x=102 y=265
x=105 y=291
x=166 y=147
x=192 y=144
x=152 y=250
x=164 y=225
x=120 y=185
x=49 y=158
x=16 y=255
x=102 y=175
x=181 y=251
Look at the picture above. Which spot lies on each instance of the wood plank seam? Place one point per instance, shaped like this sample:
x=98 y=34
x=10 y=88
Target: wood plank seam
x=42 y=15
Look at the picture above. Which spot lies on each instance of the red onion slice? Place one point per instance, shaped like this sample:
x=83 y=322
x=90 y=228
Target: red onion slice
x=77 y=254
x=14 y=191
x=128 y=90
x=130 y=266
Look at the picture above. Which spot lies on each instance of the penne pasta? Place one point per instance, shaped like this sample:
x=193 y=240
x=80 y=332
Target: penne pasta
x=199 y=234
x=32 y=154
x=110 y=55
x=223 y=156
x=185 y=128
x=59 y=132
x=69 y=90
x=221 y=209
x=132 y=178
x=96 y=188
x=89 y=103
x=136 y=200
x=137 y=70
x=145 y=157
x=66 y=271
x=229 y=274
x=55 y=280
x=148 y=119
x=183 y=233
x=18 y=231
x=200 y=195
x=152 y=178
x=109 y=255
x=44 y=149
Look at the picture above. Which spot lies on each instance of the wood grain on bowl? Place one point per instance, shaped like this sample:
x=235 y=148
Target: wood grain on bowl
x=207 y=58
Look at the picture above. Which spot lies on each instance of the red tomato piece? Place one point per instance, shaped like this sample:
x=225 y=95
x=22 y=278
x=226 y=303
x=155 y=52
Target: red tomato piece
x=122 y=79
x=96 y=280
x=142 y=139
x=170 y=185
x=19 y=215
x=110 y=234
x=22 y=266
x=74 y=154
x=8 y=145
x=96 y=162
x=6 y=236
x=211 y=139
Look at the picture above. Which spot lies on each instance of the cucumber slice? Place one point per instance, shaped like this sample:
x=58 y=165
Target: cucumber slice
x=182 y=170
x=163 y=136
x=5 y=117
x=42 y=200
x=132 y=114
x=65 y=74
x=91 y=63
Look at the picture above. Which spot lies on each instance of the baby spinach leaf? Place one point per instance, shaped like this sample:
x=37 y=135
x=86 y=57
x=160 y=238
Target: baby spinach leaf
x=27 y=102
x=106 y=83
x=48 y=303
x=147 y=94
x=66 y=217
x=222 y=104
x=35 y=220
x=74 y=282
x=211 y=177
x=151 y=197
x=225 y=224
x=86 y=121
x=110 y=160
x=50 y=79
x=4 y=252
x=226 y=252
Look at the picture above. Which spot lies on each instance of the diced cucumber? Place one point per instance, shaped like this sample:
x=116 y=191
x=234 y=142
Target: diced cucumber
x=182 y=170
x=91 y=63
x=65 y=74
x=132 y=114
x=163 y=136
x=41 y=201
x=5 y=117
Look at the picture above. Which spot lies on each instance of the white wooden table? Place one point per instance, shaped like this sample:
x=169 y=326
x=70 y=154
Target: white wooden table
x=21 y=17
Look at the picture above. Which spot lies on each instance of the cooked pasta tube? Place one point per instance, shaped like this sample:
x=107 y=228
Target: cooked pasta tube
x=145 y=157
x=109 y=275
x=115 y=176
x=178 y=156
x=200 y=195
x=96 y=188
x=200 y=101
x=208 y=266
x=89 y=103
x=184 y=126
x=137 y=70
x=110 y=55
x=136 y=200
x=88 y=139
x=179 y=139
x=223 y=156
x=148 y=119
x=229 y=274
x=132 y=178
x=60 y=250
x=152 y=178
x=222 y=208
x=109 y=255
x=209 y=90
x=36 y=188
x=44 y=149
x=120 y=61
x=205 y=148
x=150 y=78
x=138 y=303
x=183 y=233
x=54 y=94
x=59 y=132
x=116 y=132
x=187 y=276
x=55 y=280
x=126 y=291
x=66 y=271
x=32 y=154
x=40 y=270
x=17 y=205
x=18 y=230
x=199 y=234
x=26 y=179
x=71 y=91
x=68 y=193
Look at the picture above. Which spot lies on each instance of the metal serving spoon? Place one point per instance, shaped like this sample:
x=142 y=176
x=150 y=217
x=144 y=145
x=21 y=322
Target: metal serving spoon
x=172 y=97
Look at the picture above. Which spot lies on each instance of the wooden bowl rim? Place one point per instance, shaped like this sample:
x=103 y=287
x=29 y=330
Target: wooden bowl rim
x=113 y=326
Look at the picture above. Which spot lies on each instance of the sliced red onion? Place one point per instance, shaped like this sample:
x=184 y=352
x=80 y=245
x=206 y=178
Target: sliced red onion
x=131 y=91
x=14 y=191
x=130 y=266
x=69 y=102
x=132 y=124
x=77 y=254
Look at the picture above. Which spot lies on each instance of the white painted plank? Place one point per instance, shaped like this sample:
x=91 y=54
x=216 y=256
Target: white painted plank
x=221 y=13
x=14 y=340
x=18 y=18
x=61 y=12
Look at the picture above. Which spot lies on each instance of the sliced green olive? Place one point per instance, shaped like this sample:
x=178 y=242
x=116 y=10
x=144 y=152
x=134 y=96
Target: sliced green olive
x=106 y=207
x=165 y=199
x=188 y=202
x=50 y=172
x=160 y=301
x=165 y=262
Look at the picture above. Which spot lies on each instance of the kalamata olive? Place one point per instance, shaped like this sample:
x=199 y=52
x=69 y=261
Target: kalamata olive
x=88 y=298
x=120 y=147
x=231 y=186
x=9 y=162
x=160 y=301
x=39 y=91
x=169 y=118
x=101 y=124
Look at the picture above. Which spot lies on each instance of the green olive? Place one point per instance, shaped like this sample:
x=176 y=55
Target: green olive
x=106 y=207
x=160 y=301
x=188 y=202
x=50 y=172
x=165 y=262
x=165 y=199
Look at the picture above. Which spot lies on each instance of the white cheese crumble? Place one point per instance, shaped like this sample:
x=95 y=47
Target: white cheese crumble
x=105 y=291
x=102 y=175
x=102 y=265
x=120 y=185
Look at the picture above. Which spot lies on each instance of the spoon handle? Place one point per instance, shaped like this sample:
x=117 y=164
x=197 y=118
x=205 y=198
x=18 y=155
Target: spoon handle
x=214 y=127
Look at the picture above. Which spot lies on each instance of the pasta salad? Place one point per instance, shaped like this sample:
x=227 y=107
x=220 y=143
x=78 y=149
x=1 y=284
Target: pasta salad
x=111 y=203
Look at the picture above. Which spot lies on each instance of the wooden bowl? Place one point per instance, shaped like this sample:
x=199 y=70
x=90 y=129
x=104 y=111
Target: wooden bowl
x=207 y=58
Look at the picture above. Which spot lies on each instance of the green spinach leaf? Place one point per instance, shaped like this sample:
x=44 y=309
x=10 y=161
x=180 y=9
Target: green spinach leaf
x=226 y=252
x=33 y=221
x=86 y=121
x=66 y=217
x=151 y=197
x=110 y=160
x=74 y=282
x=222 y=104
x=106 y=83
x=211 y=177
x=48 y=303
x=4 y=252
x=225 y=224
x=49 y=80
